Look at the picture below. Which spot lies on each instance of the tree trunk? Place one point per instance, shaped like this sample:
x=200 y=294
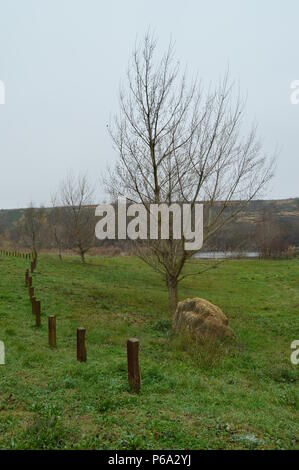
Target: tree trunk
x=34 y=249
x=59 y=252
x=58 y=245
x=172 y=286
x=82 y=255
x=35 y=256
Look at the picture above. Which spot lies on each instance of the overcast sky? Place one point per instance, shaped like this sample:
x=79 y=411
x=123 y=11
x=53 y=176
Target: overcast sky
x=62 y=62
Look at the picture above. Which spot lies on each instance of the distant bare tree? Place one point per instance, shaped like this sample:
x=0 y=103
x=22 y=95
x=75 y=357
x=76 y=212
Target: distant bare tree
x=270 y=236
x=31 y=227
x=56 y=222
x=76 y=198
x=177 y=143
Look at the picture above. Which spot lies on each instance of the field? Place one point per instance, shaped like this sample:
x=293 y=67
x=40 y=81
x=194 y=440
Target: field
x=239 y=395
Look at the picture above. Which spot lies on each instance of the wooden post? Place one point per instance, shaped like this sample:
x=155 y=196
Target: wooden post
x=26 y=276
x=29 y=281
x=37 y=313
x=32 y=266
x=31 y=292
x=33 y=303
x=81 y=345
x=52 y=330
x=133 y=364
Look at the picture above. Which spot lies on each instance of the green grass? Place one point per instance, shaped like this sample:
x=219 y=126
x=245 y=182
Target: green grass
x=240 y=395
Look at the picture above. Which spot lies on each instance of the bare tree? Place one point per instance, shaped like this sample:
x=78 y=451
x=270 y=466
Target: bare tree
x=178 y=143
x=76 y=198
x=270 y=235
x=31 y=226
x=56 y=222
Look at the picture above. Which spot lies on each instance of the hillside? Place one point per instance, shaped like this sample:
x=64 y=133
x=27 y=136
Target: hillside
x=241 y=232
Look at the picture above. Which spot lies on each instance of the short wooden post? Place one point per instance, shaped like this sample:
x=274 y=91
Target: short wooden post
x=37 y=313
x=52 y=330
x=29 y=281
x=32 y=266
x=26 y=276
x=81 y=345
x=31 y=292
x=33 y=303
x=133 y=364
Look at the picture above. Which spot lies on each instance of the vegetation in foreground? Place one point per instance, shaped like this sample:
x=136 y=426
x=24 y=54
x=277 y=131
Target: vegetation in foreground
x=241 y=395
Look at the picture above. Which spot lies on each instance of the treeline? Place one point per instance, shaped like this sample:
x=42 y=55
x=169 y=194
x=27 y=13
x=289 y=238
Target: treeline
x=269 y=227
x=266 y=230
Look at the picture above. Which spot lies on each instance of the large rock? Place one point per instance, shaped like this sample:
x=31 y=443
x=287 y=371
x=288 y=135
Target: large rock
x=202 y=319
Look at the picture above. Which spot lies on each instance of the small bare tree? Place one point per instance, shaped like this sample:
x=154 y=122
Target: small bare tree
x=269 y=234
x=177 y=143
x=56 y=222
x=31 y=226
x=76 y=198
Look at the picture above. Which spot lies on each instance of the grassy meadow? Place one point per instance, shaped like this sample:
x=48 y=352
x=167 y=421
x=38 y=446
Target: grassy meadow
x=239 y=395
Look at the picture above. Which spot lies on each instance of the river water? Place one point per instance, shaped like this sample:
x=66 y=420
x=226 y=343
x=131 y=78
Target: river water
x=226 y=254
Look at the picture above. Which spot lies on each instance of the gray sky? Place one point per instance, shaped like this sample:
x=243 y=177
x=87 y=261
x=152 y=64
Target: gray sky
x=62 y=61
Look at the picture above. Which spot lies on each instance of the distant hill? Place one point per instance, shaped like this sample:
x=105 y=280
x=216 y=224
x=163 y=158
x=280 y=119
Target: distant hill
x=284 y=211
x=8 y=217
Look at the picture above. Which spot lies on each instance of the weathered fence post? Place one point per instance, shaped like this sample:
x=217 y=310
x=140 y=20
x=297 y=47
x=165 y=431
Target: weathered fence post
x=52 y=330
x=133 y=364
x=33 y=303
x=37 y=313
x=29 y=281
x=26 y=276
x=31 y=292
x=32 y=266
x=81 y=345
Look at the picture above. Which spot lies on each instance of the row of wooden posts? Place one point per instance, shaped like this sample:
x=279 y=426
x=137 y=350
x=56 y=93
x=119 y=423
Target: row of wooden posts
x=134 y=376
x=17 y=254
